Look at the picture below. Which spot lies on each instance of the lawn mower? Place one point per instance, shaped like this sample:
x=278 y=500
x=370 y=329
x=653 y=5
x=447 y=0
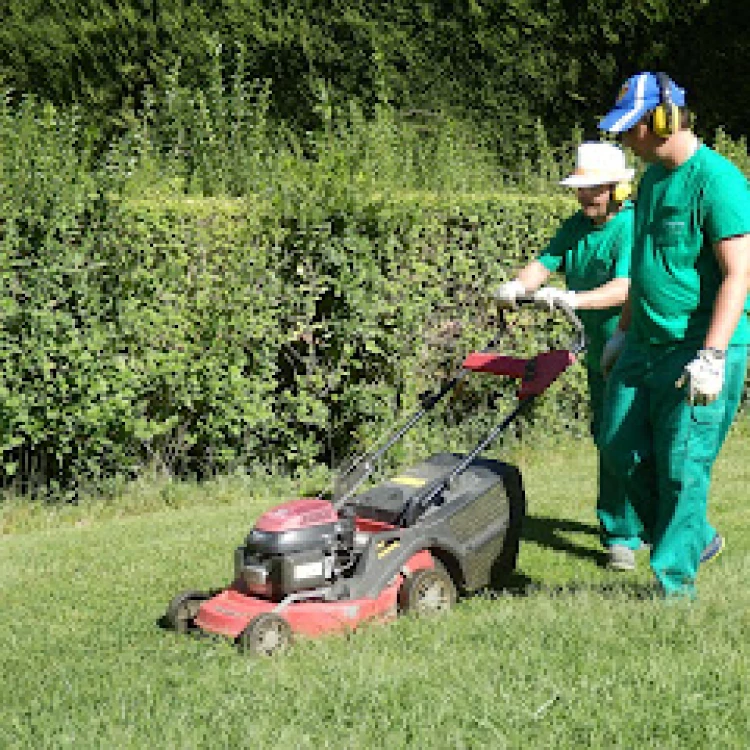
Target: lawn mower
x=448 y=525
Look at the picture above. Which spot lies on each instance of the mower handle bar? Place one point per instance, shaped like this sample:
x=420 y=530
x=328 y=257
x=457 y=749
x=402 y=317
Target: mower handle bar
x=578 y=344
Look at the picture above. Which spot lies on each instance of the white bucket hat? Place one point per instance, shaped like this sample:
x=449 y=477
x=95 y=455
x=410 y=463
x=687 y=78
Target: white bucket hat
x=599 y=164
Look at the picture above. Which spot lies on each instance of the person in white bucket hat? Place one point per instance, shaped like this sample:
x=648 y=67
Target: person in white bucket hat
x=592 y=249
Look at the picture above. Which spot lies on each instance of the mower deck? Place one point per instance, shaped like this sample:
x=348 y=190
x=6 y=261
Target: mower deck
x=231 y=611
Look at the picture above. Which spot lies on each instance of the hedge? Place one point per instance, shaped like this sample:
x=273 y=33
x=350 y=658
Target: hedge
x=200 y=336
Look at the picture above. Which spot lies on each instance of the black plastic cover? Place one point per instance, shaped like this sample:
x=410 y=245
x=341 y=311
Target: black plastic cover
x=386 y=501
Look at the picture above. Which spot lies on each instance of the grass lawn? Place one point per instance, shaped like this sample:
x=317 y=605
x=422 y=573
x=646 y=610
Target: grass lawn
x=576 y=656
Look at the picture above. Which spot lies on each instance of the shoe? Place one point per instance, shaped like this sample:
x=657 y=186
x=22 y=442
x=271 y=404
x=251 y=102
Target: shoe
x=713 y=549
x=620 y=557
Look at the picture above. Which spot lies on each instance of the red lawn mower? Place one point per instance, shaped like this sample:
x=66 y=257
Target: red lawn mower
x=449 y=524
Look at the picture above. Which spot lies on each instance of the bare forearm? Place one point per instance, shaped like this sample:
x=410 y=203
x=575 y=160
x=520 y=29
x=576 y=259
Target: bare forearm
x=728 y=308
x=533 y=275
x=733 y=255
x=612 y=294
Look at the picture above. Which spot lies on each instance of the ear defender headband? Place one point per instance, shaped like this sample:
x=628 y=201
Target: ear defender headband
x=665 y=119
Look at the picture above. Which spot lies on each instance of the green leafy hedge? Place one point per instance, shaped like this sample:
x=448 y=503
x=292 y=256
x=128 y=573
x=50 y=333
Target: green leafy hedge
x=203 y=335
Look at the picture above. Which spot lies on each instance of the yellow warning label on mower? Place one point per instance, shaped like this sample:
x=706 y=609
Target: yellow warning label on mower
x=386 y=547
x=410 y=481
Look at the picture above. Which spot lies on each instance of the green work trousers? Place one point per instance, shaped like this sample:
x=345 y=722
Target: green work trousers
x=664 y=449
x=618 y=521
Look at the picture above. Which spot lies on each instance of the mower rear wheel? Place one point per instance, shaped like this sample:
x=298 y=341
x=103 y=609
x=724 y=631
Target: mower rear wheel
x=183 y=609
x=428 y=591
x=265 y=635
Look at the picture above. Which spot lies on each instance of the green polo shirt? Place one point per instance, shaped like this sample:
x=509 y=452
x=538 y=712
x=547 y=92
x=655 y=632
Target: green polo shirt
x=680 y=214
x=590 y=255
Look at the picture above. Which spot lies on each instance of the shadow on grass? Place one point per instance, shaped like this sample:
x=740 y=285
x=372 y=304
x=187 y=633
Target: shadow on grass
x=516 y=583
x=548 y=533
x=163 y=621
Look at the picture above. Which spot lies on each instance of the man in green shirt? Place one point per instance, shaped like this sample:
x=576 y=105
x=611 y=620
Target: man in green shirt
x=592 y=249
x=681 y=346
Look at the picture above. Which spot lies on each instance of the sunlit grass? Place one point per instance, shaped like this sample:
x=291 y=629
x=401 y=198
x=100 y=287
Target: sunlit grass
x=572 y=655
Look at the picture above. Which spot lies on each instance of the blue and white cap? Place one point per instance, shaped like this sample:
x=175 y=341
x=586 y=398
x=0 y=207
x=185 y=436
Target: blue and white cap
x=640 y=94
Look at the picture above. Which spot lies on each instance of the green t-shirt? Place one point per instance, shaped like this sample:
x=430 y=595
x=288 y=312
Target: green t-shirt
x=680 y=214
x=590 y=255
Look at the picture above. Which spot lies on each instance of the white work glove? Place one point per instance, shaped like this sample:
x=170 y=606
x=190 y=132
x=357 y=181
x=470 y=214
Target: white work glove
x=612 y=350
x=704 y=377
x=507 y=293
x=548 y=296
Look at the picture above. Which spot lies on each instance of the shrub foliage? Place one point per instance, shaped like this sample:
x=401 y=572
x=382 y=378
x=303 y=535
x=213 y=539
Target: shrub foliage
x=199 y=335
x=286 y=320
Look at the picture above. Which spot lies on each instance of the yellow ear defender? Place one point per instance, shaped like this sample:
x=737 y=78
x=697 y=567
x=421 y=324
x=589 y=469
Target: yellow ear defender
x=665 y=119
x=621 y=191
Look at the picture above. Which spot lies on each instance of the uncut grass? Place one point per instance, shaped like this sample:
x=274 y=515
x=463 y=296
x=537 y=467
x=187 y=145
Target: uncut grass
x=572 y=655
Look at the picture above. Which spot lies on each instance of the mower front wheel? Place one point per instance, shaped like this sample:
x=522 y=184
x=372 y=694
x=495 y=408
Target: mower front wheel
x=265 y=635
x=428 y=592
x=183 y=609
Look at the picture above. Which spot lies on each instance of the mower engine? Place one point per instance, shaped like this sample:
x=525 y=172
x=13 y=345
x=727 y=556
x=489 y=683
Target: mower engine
x=301 y=545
